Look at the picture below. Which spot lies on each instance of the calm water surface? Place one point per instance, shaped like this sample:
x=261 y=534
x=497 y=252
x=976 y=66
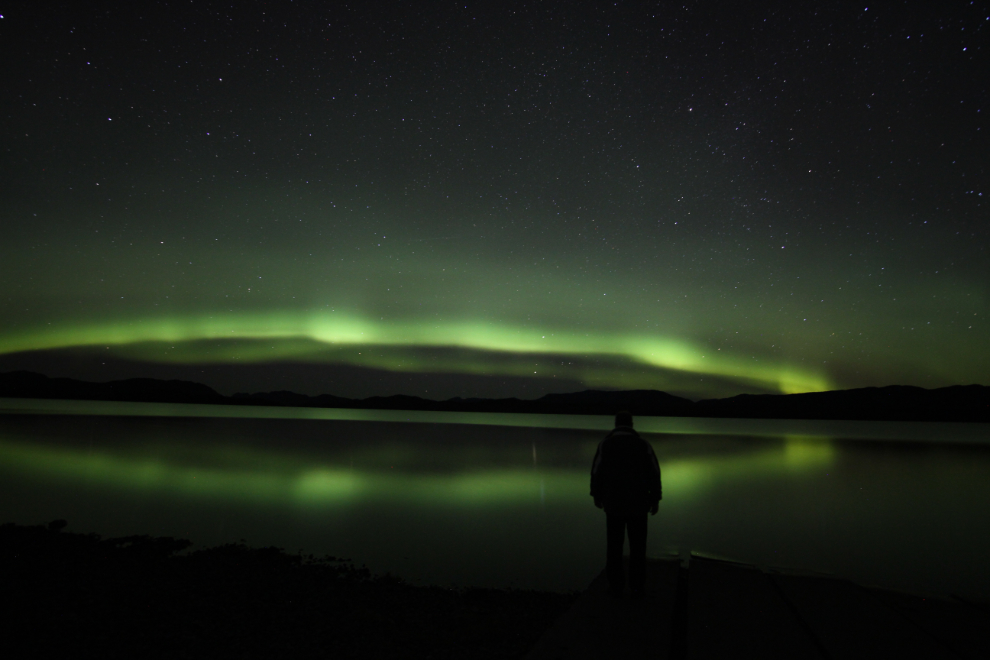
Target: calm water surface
x=502 y=500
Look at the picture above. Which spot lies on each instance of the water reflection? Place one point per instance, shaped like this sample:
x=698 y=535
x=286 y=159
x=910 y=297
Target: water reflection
x=384 y=472
x=502 y=505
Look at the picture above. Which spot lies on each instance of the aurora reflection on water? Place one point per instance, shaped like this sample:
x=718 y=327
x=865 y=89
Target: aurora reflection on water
x=495 y=504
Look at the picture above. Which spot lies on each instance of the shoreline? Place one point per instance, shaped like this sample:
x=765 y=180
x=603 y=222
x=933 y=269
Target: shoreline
x=144 y=596
x=141 y=596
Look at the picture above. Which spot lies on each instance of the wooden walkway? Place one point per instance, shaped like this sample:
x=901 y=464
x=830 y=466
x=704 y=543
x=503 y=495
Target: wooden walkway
x=720 y=609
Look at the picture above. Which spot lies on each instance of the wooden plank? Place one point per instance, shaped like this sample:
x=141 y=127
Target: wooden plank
x=600 y=626
x=963 y=628
x=735 y=611
x=851 y=622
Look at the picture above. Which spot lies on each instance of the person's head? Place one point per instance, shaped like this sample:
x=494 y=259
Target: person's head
x=623 y=418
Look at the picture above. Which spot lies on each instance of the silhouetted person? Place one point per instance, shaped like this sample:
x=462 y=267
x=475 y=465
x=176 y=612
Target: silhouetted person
x=625 y=481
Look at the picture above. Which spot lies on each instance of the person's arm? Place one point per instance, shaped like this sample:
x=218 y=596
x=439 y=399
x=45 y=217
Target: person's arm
x=653 y=476
x=596 y=477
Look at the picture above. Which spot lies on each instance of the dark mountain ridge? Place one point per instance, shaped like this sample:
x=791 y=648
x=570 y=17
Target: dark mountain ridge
x=958 y=403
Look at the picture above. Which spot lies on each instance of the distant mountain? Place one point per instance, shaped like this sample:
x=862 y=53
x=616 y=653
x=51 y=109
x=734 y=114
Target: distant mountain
x=25 y=384
x=589 y=402
x=969 y=403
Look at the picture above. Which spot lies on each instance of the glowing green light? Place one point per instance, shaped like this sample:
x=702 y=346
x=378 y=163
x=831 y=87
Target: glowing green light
x=286 y=481
x=803 y=452
x=275 y=477
x=326 y=484
x=342 y=338
x=692 y=476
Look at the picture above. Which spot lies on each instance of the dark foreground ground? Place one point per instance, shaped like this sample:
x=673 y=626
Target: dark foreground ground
x=76 y=595
x=702 y=608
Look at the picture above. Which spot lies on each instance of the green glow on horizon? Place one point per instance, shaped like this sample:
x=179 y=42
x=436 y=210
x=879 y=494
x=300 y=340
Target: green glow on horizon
x=323 y=338
x=463 y=246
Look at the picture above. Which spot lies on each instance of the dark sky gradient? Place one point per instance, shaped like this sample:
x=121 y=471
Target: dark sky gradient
x=496 y=199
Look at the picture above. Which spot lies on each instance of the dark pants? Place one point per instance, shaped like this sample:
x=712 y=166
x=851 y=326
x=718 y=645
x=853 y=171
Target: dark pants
x=616 y=526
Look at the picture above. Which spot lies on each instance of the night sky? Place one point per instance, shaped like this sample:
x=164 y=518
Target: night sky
x=500 y=199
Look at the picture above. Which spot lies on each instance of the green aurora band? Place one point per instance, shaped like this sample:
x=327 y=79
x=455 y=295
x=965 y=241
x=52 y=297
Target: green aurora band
x=328 y=338
x=735 y=206
x=496 y=310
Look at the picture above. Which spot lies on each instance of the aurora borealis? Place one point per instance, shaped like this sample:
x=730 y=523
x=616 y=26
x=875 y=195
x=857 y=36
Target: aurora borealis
x=496 y=200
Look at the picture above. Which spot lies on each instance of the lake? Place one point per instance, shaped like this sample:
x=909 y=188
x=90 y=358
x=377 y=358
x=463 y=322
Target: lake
x=478 y=499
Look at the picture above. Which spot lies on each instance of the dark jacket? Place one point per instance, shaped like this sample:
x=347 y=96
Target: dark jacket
x=625 y=475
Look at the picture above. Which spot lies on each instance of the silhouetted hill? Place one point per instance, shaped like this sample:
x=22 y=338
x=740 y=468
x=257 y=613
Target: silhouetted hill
x=969 y=403
x=894 y=402
x=25 y=384
x=601 y=402
x=589 y=402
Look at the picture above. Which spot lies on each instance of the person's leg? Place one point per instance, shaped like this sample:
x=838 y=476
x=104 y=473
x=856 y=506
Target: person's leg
x=637 y=552
x=615 y=536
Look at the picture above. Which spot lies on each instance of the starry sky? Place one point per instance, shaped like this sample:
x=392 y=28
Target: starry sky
x=496 y=199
